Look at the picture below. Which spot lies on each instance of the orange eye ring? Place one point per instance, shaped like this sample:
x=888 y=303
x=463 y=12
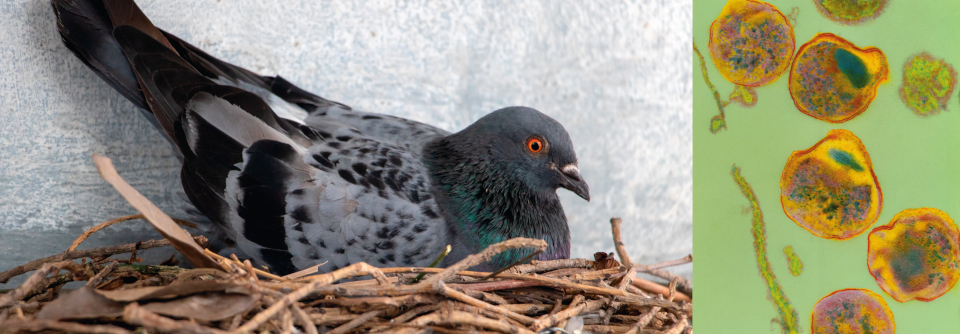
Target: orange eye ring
x=534 y=145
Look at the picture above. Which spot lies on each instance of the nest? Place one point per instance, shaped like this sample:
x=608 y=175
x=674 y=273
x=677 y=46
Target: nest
x=229 y=295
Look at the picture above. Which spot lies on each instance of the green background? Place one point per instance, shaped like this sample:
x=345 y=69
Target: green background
x=916 y=160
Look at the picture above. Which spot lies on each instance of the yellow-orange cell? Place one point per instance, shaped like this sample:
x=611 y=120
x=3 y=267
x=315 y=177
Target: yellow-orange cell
x=833 y=80
x=852 y=311
x=830 y=189
x=751 y=42
x=851 y=12
x=915 y=255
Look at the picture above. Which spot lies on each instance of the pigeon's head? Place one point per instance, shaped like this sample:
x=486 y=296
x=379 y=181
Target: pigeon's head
x=530 y=147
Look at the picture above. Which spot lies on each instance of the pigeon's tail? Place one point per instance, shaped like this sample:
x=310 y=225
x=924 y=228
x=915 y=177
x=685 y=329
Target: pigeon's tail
x=86 y=28
x=89 y=28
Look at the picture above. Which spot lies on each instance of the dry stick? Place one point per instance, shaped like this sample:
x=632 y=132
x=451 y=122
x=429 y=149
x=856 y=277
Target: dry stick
x=644 y=321
x=134 y=314
x=359 y=301
x=543 y=266
x=495 y=285
x=651 y=269
x=654 y=269
x=618 y=242
x=258 y=271
x=286 y=322
x=95 y=252
x=542 y=280
x=483 y=256
x=679 y=326
x=350 y=325
x=684 y=284
x=622 y=253
x=71 y=327
x=627 y=279
x=444 y=317
x=114 y=221
x=304 y=319
x=316 y=282
x=659 y=289
x=665 y=264
x=415 y=312
x=48 y=284
x=673 y=290
x=454 y=294
x=14 y=296
x=454 y=306
x=601 y=329
x=93 y=282
x=589 y=306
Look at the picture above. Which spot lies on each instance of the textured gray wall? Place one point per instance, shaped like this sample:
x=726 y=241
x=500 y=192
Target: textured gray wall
x=616 y=74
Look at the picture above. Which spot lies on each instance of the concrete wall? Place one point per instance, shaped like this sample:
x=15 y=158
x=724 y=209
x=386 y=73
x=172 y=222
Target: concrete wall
x=617 y=74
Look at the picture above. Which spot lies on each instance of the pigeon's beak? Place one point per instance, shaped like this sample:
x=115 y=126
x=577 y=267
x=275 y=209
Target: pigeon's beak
x=570 y=178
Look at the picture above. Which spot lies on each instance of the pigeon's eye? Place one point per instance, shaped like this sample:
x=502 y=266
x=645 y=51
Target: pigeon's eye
x=534 y=144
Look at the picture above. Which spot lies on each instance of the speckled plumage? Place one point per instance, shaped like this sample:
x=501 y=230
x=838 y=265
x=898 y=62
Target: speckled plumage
x=338 y=185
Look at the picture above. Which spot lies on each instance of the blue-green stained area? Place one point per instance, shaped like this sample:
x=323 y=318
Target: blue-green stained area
x=852 y=67
x=909 y=264
x=844 y=158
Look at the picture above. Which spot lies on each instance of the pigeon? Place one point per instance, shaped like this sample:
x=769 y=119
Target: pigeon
x=293 y=180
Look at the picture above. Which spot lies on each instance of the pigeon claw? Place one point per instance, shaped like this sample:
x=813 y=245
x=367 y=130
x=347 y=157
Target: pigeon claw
x=571 y=179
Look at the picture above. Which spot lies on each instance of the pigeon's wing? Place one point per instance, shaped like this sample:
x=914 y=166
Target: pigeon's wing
x=405 y=133
x=344 y=199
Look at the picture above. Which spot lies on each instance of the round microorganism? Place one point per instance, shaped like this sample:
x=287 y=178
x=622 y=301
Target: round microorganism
x=851 y=12
x=928 y=84
x=833 y=80
x=852 y=311
x=916 y=255
x=751 y=42
x=830 y=189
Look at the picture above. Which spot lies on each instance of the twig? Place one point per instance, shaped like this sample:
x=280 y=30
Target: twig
x=95 y=252
x=484 y=305
x=683 y=285
x=618 y=242
x=553 y=319
x=495 y=285
x=137 y=315
x=665 y=264
x=484 y=256
x=114 y=221
x=72 y=327
x=444 y=317
x=316 y=282
x=17 y=294
x=543 y=266
x=644 y=321
x=95 y=281
x=679 y=326
x=518 y=262
x=415 y=312
x=659 y=289
x=355 y=322
x=304 y=319
x=217 y=257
